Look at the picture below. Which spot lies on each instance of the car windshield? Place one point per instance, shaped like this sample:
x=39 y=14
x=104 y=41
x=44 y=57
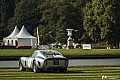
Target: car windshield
x=50 y=53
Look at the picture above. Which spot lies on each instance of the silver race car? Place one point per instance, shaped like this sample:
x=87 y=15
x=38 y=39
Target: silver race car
x=44 y=60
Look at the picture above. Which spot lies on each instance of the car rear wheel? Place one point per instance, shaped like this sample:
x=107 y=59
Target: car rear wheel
x=21 y=68
x=35 y=68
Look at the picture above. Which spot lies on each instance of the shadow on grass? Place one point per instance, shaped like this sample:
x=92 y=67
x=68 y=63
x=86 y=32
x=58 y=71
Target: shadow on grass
x=62 y=72
x=54 y=71
x=16 y=69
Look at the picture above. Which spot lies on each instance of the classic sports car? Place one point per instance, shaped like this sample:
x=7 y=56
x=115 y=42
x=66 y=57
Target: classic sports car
x=44 y=60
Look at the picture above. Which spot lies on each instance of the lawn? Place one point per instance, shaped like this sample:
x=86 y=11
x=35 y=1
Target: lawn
x=89 y=52
x=73 y=73
x=16 y=52
x=28 y=52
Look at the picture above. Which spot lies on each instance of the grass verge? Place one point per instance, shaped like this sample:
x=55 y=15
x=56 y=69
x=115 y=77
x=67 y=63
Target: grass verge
x=28 y=52
x=73 y=73
x=88 y=52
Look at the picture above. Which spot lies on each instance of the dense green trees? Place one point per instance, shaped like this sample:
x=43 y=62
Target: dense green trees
x=93 y=20
x=100 y=21
x=27 y=14
x=59 y=15
x=6 y=12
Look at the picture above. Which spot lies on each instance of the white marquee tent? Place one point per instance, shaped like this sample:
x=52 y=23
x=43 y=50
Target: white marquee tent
x=22 y=38
x=11 y=40
x=25 y=39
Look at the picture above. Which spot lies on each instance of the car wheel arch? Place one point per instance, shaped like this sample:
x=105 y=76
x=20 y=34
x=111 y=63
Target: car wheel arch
x=21 y=67
x=20 y=61
x=24 y=62
x=33 y=63
x=35 y=67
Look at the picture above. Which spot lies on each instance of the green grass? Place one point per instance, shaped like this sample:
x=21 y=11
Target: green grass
x=87 y=52
x=28 y=52
x=16 y=52
x=73 y=73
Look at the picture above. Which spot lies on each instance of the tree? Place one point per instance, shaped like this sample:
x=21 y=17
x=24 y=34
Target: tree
x=116 y=27
x=58 y=15
x=105 y=19
x=99 y=21
x=27 y=14
x=88 y=23
x=6 y=12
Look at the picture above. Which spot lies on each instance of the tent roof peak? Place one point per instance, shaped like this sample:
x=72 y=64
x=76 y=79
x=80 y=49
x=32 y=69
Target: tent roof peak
x=24 y=34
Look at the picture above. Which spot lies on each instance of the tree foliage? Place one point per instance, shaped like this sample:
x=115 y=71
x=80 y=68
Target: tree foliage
x=93 y=20
x=27 y=14
x=100 y=21
x=6 y=12
x=59 y=15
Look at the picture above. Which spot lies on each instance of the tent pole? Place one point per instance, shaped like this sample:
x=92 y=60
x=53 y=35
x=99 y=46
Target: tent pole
x=31 y=42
